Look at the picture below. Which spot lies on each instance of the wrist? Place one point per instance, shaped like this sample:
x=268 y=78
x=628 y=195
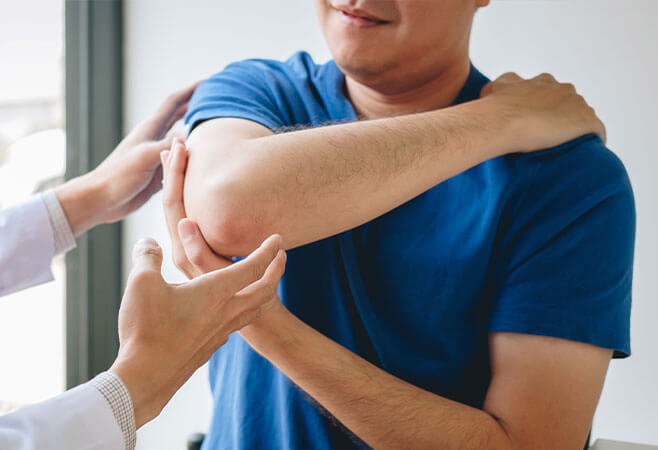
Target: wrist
x=144 y=392
x=504 y=126
x=275 y=328
x=81 y=201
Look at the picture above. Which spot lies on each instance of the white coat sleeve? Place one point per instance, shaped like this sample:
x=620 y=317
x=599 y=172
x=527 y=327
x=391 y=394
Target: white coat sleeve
x=31 y=234
x=80 y=418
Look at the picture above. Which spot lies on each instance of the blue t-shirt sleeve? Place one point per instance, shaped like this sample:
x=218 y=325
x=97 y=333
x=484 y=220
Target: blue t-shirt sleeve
x=567 y=271
x=242 y=90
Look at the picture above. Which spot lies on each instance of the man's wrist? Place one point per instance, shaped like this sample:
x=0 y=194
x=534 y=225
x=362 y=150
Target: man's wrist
x=505 y=130
x=275 y=328
x=497 y=127
x=82 y=202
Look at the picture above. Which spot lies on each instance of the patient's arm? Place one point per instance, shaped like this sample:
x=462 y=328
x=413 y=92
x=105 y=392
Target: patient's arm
x=244 y=183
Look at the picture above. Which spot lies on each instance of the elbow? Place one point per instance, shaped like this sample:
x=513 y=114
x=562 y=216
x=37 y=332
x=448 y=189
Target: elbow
x=229 y=217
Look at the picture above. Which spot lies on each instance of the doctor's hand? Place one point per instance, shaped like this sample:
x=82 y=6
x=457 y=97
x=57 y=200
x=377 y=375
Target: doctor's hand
x=166 y=332
x=129 y=176
x=192 y=254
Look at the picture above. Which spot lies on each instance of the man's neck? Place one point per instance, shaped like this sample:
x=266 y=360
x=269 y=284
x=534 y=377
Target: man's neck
x=439 y=92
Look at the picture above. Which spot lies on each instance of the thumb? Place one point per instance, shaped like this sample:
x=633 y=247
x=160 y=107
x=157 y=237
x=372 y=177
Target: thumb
x=147 y=256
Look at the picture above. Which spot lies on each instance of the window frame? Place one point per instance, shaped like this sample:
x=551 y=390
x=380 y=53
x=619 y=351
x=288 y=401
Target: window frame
x=94 y=114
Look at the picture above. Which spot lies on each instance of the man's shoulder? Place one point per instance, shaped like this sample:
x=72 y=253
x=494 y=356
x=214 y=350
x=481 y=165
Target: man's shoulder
x=550 y=190
x=298 y=67
x=580 y=168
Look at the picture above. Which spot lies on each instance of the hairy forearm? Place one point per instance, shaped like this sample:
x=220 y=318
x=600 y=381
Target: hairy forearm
x=310 y=184
x=382 y=410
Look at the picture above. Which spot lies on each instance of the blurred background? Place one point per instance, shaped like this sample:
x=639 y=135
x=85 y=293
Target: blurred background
x=607 y=48
x=32 y=158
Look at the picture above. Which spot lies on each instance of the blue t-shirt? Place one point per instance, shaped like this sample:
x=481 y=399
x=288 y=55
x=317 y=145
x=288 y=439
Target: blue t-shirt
x=538 y=243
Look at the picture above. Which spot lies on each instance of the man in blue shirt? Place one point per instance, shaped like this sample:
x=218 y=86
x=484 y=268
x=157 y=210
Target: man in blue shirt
x=449 y=283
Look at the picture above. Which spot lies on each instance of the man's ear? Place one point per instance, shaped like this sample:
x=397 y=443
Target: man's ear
x=482 y=3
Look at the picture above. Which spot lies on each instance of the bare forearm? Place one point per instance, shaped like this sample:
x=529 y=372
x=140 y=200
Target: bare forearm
x=310 y=184
x=384 y=411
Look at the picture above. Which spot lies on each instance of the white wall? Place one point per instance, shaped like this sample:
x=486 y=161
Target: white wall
x=609 y=50
x=606 y=47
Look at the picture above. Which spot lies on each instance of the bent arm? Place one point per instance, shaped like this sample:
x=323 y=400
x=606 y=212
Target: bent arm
x=244 y=183
x=542 y=395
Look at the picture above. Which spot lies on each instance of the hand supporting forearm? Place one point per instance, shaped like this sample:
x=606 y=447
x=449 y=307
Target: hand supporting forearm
x=382 y=410
x=310 y=184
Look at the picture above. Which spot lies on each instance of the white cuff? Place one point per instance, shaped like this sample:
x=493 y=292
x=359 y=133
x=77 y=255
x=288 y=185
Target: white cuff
x=64 y=239
x=117 y=395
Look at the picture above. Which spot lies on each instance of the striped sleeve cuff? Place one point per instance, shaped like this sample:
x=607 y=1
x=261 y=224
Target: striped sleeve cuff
x=117 y=395
x=64 y=239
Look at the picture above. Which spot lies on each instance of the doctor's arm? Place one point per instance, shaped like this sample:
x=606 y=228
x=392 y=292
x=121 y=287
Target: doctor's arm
x=166 y=332
x=33 y=232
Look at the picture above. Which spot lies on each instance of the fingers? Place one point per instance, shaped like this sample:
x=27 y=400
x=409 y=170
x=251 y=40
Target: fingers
x=147 y=256
x=509 y=77
x=546 y=77
x=197 y=250
x=263 y=290
x=177 y=115
x=171 y=110
x=174 y=165
x=174 y=106
x=227 y=282
x=252 y=268
x=174 y=101
x=504 y=79
x=601 y=131
x=245 y=318
x=153 y=186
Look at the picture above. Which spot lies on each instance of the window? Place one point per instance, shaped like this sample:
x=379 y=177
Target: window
x=32 y=159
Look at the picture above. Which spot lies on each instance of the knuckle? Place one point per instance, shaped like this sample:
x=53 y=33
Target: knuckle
x=570 y=86
x=509 y=76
